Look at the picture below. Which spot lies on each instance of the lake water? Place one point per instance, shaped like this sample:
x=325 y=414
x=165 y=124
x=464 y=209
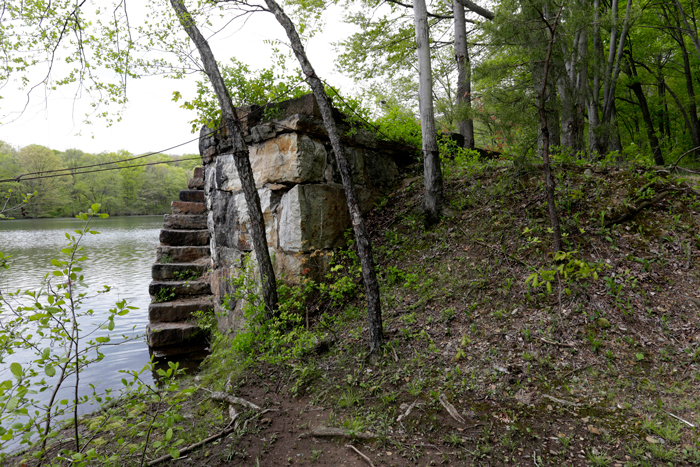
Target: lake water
x=121 y=256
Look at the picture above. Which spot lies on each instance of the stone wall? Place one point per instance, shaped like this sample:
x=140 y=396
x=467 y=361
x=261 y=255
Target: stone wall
x=300 y=190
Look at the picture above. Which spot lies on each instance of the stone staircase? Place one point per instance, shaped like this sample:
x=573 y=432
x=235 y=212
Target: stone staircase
x=181 y=284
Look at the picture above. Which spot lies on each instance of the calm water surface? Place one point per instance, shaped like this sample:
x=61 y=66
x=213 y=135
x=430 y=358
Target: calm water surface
x=121 y=256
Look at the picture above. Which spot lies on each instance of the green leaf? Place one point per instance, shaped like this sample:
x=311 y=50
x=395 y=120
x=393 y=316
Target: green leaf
x=169 y=434
x=49 y=370
x=174 y=453
x=12 y=404
x=16 y=369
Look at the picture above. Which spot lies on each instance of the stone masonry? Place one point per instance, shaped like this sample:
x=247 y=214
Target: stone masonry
x=300 y=190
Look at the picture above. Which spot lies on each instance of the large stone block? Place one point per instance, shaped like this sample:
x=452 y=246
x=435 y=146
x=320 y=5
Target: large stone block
x=185 y=221
x=229 y=215
x=162 y=334
x=180 y=310
x=196 y=196
x=184 y=271
x=180 y=288
x=313 y=217
x=288 y=158
x=184 y=237
x=185 y=207
x=181 y=254
x=294 y=268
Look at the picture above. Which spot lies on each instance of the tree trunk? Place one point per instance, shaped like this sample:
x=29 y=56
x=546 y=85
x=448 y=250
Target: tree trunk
x=636 y=87
x=692 y=107
x=240 y=156
x=544 y=136
x=464 y=85
x=595 y=148
x=431 y=157
x=364 y=246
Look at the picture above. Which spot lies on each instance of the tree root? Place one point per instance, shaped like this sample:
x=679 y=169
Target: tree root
x=322 y=431
x=633 y=212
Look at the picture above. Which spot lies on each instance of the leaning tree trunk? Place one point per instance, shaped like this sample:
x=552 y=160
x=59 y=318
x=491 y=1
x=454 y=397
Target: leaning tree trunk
x=364 y=246
x=431 y=156
x=544 y=136
x=240 y=156
x=464 y=85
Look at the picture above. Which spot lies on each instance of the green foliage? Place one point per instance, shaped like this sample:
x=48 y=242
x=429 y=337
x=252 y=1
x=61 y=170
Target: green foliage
x=568 y=269
x=398 y=124
x=128 y=189
x=259 y=88
x=48 y=323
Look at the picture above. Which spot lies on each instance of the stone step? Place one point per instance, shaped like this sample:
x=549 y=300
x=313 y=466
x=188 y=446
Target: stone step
x=195 y=183
x=178 y=271
x=187 y=207
x=179 y=310
x=166 y=289
x=181 y=254
x=195 y=353
x=167 y=334
x=195 y=196
x=185 y=221
x=184 y=237
x=198 y=173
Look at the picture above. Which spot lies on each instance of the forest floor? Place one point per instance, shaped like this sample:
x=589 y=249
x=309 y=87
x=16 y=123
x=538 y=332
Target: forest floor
x=491 y=358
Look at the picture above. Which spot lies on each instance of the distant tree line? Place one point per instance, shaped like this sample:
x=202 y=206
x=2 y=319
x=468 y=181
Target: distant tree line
x=130 y=189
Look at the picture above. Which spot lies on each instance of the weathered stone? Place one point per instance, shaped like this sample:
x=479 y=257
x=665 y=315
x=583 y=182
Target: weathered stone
x=180 y=310
x=231 y=210
x=184 y=237
x=356 y=160
x=185 y=221
x=184 y=207
x=181 y=254
x=287 y=158
x=179 y=288
x=381 y=170
x=185 y=271
x=195 y=196
x=313 y=217
x=195 y=183
x=198 y=173
x=162 y=334
x=294 y=268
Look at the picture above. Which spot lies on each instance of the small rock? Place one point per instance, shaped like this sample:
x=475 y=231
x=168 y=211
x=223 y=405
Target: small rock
x=654 y=440
x=603 y=323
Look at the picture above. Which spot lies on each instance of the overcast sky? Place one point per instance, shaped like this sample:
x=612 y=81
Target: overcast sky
x=152 y=121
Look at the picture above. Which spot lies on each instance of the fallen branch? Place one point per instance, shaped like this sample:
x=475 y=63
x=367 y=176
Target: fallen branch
x=408 y=411
x=329 y=432
x=633 y=212
x=680 y=419
x=451 y=409
x=561 y=344
x=360 y=454
x=214 y=437
x=682 y=156
x=692 y=300
x=233 y=400
x=577 y=369
x=194 y=446
x=561 y=401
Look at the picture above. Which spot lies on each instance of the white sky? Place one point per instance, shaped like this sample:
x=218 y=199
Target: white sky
x=152 y=122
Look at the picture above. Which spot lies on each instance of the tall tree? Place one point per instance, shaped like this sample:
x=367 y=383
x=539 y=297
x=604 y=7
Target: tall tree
x=465 y=122
x=432 y=172
x=240 y=156
x=364 y=245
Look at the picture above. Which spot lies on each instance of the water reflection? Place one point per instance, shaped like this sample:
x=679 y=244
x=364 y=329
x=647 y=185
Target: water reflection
x=120 y=256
